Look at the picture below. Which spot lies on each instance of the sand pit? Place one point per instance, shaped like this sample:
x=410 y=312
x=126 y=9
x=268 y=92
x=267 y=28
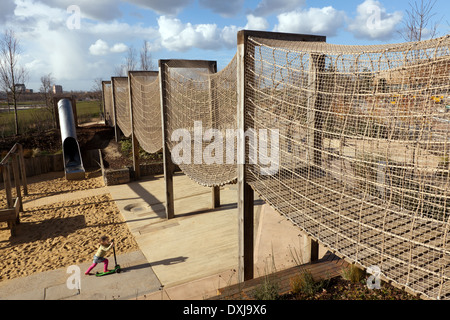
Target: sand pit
x=61 y=234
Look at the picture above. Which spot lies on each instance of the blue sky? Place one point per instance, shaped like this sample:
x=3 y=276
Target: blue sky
x=80 y=40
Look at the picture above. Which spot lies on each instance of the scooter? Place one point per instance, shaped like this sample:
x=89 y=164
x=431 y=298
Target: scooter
x=116 y=269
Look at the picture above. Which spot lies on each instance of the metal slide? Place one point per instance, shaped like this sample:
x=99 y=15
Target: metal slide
x=73 y=163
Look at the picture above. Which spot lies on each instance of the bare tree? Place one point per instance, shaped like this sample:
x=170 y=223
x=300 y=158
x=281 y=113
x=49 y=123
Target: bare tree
x=46 y=91
x=419 y=21
x=119 y=71
x=97 y=92
x=130 y=60
x=129 y=65
x=146 y=57
x=11 y=73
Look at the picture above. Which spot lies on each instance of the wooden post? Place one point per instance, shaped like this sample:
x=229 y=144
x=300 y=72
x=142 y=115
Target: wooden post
x=7 y=183
x=167 y=157
x=134 y=141
x=215 y=191
x=315 y=105
x=314 y=126
x=104 y=101
x=74 y=110
x=15 y=166
x=215 y=195
x=116 y=127
x=23 y=170
x=245 y=192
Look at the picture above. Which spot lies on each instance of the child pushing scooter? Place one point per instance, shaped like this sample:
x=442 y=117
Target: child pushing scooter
x=99 y=257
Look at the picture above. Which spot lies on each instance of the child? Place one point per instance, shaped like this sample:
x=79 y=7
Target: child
x=100 y=254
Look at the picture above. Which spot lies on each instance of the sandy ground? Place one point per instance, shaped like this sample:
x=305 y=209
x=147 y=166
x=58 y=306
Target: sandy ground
x=60 y=234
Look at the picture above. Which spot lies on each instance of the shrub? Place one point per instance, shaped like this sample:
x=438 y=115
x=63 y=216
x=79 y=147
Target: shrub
x=267 y=290
x=353 y=274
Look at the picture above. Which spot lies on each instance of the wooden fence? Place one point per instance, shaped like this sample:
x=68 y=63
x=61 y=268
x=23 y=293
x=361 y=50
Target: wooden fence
x=13 y=162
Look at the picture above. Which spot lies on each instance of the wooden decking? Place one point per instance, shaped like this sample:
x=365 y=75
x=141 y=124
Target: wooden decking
x=328 y=267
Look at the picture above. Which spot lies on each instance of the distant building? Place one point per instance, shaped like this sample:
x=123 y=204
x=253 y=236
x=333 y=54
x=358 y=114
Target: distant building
x=20 y=87
x=29 y=91
x=57 y=89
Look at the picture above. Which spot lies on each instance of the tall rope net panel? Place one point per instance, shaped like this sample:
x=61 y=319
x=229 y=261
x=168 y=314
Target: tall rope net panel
x=107 y=100
x=198 y=98
x=145 y=95
x=122 y=104
x=364 y=150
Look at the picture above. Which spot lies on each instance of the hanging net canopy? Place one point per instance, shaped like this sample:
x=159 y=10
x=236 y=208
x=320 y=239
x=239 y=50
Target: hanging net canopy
x=364 y=149
x=145 y=95
x=107 y=101
x=198 y=99
x=122 y=104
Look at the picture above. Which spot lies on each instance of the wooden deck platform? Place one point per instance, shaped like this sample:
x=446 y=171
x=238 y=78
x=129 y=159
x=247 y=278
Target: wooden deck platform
x=328 y=267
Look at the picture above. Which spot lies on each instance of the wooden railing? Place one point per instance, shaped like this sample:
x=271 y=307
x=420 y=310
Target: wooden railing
x=14 y=162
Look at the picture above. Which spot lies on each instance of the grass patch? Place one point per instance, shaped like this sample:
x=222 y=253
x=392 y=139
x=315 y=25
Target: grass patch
x=41 y=119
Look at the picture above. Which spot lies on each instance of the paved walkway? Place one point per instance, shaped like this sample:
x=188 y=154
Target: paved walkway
x=196 y=253
x=137 y=279
x=188 y=257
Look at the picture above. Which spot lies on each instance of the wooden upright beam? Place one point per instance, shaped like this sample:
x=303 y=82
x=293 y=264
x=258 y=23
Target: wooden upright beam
x=116 y=126
x=23 y=172
x=245 y=192
x=16 y=175
x=167 y=157
x=134 y=141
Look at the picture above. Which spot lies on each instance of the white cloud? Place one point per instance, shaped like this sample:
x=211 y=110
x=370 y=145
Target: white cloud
x=119 y=48
x=267 y=7
x=178 y=36
x=166 y=7
x=7 y=9
x=373 y=22
x=99 y=48
x=320 y=21
x=103 y=10
x=256 y=23
x=227 y=8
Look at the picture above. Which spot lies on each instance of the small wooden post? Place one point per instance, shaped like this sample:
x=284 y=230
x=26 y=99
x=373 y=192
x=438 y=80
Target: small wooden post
x=23 y=170
x=214 y=118
x=74 y=110
x=134 y=141
x=215 y=197
x=15 y=166
x=7 y=182
x=167 y=157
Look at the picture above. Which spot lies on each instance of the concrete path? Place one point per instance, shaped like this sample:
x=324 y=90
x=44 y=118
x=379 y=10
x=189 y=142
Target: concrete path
x=137 y=279
x=188 y=257
x=196 y=253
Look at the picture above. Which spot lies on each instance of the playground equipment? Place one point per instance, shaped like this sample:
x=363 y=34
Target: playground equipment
x=14 y=162
x=73 y=163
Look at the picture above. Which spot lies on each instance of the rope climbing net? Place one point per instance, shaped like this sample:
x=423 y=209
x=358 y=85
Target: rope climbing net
x=364 y=147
